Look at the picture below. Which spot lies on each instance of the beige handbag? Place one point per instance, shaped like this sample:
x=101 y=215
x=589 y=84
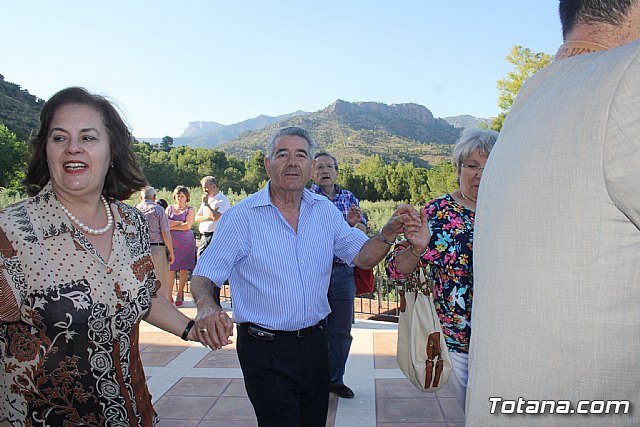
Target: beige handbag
x=422 y=351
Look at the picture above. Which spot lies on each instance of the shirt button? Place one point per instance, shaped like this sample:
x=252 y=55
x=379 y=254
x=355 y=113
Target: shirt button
x=109 y=270
x=301 y=261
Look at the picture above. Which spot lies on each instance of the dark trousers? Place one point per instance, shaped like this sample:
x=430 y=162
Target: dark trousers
x=342 y=291
x=287 y=378
x=205 y=239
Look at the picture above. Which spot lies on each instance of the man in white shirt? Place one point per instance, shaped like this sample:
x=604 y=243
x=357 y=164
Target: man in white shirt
x=214 y=204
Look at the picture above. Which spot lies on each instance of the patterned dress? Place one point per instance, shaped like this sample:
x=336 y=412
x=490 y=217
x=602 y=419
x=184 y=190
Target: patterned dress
x=69 y=319
x=184 y=243
x=449 y=256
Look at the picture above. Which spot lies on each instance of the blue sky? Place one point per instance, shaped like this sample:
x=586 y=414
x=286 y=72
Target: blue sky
x=167 y=63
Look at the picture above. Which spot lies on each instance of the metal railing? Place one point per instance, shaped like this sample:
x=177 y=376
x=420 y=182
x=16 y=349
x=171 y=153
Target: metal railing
x=382 y=303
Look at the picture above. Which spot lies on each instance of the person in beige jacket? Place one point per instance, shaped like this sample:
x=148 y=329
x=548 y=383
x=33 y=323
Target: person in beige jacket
x=556 y=314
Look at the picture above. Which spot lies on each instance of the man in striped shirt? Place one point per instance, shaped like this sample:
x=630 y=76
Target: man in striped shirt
x=276 y=248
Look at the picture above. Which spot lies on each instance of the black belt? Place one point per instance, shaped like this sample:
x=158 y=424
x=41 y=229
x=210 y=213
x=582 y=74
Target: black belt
x=264 y=333
x=207 y=233
x=338 y=264
x=157 y=244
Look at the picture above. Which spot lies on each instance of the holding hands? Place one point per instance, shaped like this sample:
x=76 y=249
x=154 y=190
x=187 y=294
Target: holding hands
x=404 y=220
x=213 y=326
x=420 y=236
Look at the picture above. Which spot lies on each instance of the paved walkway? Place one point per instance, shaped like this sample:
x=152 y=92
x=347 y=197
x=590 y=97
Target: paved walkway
x=192 y=386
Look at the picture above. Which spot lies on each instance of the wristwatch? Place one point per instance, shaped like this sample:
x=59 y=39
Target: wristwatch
x=381 y=237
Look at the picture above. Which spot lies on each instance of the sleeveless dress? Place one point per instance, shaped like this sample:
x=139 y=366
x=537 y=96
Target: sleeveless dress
x=184 y=244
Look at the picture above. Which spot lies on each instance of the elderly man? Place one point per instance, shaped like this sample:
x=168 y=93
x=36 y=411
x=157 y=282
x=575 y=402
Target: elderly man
x=159 y=236
x=342 y=287
x=214 y=204
x=276 y=247
x=556 y=309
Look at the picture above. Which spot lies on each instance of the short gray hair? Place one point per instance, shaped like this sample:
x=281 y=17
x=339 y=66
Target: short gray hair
x=209 y=180
x=473 y=139
x=322 y=153
x=292 y=131
x=148 y=192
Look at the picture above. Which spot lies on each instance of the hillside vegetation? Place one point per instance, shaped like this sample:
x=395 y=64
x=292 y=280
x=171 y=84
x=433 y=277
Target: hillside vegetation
x=354 y=131
x=19 y=110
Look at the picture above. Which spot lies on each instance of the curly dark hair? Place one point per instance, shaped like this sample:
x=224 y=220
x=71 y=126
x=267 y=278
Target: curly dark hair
x=124 y=176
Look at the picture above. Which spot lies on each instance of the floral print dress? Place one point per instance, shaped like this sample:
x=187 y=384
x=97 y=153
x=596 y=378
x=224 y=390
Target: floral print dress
x=69 y=319
x=449 y=256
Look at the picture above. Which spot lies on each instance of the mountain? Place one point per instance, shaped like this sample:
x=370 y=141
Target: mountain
x=353 y=131
x=19 y=110
x=466 y=121
x=196 y=129
x=221 y=134
x=211 y=134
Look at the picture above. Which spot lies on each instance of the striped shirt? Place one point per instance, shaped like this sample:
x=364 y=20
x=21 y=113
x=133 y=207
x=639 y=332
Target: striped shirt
x=279 y=278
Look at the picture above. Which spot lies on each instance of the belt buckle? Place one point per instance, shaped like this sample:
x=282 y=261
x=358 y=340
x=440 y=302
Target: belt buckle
x=304 y=331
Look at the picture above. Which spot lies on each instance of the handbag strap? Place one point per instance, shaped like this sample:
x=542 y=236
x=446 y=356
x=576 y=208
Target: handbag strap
x=420 y=280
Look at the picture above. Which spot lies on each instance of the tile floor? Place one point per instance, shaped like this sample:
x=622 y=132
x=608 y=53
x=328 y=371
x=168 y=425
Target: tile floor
x=192 y=386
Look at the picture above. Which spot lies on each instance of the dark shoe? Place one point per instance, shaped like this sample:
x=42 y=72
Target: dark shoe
x=342 y=391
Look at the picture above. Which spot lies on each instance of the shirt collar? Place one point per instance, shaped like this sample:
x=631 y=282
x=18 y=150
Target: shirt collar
x=316 y=189
x=54 y=220
x=262 y=197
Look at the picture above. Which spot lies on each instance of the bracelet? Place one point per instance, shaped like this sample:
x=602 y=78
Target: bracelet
x=384 y=239
x=415 y=254
x=185 y=334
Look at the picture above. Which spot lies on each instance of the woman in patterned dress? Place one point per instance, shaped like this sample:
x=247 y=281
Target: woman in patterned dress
x=76 y=276
x=446 y=246
x=181 y=216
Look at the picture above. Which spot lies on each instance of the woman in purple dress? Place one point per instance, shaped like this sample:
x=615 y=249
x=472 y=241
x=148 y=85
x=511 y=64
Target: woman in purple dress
x=181 y=216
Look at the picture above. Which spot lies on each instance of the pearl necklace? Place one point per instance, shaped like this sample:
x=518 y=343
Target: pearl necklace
x=86 y=228
x=467 y=198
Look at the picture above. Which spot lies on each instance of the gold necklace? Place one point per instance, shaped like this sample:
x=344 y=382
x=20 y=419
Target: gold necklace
x=468 y=198
x=578 y=47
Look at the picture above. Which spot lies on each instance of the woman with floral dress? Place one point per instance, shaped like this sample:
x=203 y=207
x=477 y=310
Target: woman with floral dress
x=76 y=276
x=447 y=248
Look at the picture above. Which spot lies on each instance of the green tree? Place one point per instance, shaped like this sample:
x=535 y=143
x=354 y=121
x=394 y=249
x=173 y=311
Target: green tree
x=375 y=172
x=442 y=179
x=352 y=182
x=526 y=63
x=13 y=155
x=231 y=179
x=167 y=142
x=255 y=173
